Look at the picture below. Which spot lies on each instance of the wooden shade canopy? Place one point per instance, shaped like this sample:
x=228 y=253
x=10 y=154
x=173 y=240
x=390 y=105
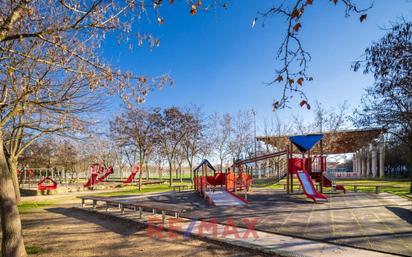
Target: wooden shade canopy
x=337 y=142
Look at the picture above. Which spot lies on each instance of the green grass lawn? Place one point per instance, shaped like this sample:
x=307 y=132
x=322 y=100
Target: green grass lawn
x=401 y=189
x=33 y=249
x=152 y=176
x=131 y=190
x=28 y=206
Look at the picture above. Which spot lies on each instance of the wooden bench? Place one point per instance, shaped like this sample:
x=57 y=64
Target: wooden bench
x=153 y=182
x=179 y=187
x=377 y=187
x=164 y=208
x=94 y=199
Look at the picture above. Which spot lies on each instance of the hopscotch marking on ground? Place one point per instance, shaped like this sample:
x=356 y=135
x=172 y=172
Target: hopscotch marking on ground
x=285 y=221
x=309 y=220
x=361 y=229
x=332 y=220
x=401 y=240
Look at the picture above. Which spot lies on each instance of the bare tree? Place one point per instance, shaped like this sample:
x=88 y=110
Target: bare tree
x=221 y=131
x=171 y=125
x=193 y=140
x=46 y=102
x=100 y=149
x=137 y=129
x=180 y=157
x=275 y=127
x=242 y=138
x=330 y=120
x=70 y=33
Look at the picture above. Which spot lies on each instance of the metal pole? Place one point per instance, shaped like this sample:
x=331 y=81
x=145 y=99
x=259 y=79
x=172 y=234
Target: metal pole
x=321 y=171
x=291 y=174
x=288 y=171
x=254 y=122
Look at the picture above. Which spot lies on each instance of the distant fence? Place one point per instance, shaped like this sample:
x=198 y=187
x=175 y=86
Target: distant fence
x=397 y=170
x=346 y=174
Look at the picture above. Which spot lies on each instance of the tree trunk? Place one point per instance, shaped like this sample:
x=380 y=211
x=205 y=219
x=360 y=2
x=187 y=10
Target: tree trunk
x=170 y=173
x=180 y=173
x=141 y=175
x=12 y=244
x=177 y=172
x=13 y=173
x=147 y=171
x=160 y=172
x=191 y=171
x=410 y=169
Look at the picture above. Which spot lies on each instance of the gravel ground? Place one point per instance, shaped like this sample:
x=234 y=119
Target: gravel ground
x=64 y=231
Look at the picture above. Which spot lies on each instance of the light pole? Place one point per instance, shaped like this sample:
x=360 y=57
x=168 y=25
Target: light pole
x=254 y=123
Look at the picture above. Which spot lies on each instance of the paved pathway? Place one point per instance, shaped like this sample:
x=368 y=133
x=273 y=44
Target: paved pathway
x=263 y=241
x=381 y=222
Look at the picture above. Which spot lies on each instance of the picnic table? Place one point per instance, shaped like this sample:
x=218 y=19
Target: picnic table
x=136 y=205
x=179 y=187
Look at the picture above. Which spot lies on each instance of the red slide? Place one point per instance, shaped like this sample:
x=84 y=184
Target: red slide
x=91 y=181
x=308 y=188
x=130 y=179
x=105 y=175
x=96 y=170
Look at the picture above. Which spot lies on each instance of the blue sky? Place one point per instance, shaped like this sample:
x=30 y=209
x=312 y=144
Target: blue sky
x=218 y=61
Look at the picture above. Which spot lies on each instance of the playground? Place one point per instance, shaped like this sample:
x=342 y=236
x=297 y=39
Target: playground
x=292 y=201
x=361 y=220
x=312 y=205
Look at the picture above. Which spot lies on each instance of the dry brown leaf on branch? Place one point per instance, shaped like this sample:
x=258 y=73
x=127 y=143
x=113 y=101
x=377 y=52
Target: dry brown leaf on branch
x=302 y=103
x=193 y=10
x=297 y=27
x=279 y=78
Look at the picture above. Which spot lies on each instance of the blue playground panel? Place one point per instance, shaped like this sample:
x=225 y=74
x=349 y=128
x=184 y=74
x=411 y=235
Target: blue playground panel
x=306 y=142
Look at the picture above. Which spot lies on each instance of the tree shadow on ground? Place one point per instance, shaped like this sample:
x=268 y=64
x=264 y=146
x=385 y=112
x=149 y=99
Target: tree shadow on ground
x=115 y=225
x=402 y=213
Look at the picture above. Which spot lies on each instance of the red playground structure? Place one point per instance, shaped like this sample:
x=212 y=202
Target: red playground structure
x=47 y=184
x=308 y=168
x=221 y=189
x=98 y=174
x=130 y=179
